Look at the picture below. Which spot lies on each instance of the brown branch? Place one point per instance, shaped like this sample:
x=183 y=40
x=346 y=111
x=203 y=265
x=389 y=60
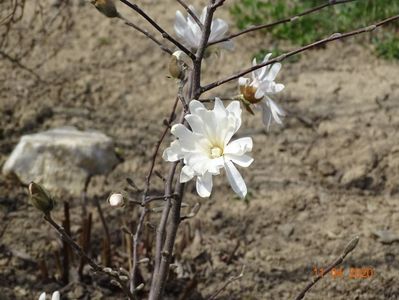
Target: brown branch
x=336 y=36
x=348 y=249
x=150 y=36
x=282 y=21
x=191 y=13
x=165 y=35
x=96 y=267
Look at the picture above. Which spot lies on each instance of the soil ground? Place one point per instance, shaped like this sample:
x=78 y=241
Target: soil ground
x=331 y=172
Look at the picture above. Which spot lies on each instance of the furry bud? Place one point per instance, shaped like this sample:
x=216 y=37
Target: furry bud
x=40 y=198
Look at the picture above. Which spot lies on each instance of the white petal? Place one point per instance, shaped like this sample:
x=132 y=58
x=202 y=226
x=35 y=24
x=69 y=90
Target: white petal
x=276 y=110
x=259 y=94
x=235 y=109
x=186 y=174
x=242 y=81
x=235 y=179
x=42 y=296
x=272 y=74
x=214 y=165
x=218 y=29
x=195 y=106
x=195 y=123
x=180 y=24
x=204 y=185
x=219 y=109
x=188 y=140
x=241 y=160
x=173 y=153
x=266 y=114
x=239 y=146
x=56 y=296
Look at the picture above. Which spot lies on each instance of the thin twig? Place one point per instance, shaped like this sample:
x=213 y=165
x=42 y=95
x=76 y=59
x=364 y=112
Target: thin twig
x=165 y=35
x=22 y=66
x=107 y=250
x=348 y=249
x=333 y=37
x=135 y=258
x=226 y=284
x=191 y=13
x=156 y=150
x=150 y=36
x=282 y=21
x=96 y=267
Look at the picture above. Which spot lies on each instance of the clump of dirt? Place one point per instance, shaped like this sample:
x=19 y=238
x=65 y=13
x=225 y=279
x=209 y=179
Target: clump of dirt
x=328 y=174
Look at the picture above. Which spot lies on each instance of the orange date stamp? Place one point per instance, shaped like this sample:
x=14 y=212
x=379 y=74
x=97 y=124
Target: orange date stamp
x=351 y=273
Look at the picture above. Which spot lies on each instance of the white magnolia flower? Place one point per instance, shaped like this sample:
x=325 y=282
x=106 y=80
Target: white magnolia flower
x=256 y=91
x=190 y=33
x=55 y=296
x=207 y=148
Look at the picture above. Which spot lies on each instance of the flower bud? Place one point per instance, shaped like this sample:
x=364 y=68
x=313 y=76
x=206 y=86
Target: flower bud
x=40 y=198
x=106 y=7
x=116 y=200
x=176 y=65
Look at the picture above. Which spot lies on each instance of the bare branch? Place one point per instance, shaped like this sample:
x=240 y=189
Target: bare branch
x=336 y=36
x=348 y=249
x=191 y=13
x=165 y=35
x=286 y=20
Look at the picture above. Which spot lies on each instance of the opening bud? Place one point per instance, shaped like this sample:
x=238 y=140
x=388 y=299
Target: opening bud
x=106 y=7
x=177 y=65
x=40 y=198
x=116 y=200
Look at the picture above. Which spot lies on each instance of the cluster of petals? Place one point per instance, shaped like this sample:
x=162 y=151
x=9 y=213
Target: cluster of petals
x=190 y=33
x=256 y=91
x=56 y=296
x=207 y=147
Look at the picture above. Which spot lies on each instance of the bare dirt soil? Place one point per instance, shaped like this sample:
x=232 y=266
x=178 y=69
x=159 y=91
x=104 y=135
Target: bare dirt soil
x=330 y=173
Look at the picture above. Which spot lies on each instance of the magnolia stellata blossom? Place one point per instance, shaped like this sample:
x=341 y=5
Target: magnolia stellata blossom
x=190 y=33
x=55 y=296
x=207 y=149
x=256 y=91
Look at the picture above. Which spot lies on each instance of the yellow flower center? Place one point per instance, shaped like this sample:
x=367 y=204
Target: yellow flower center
x=216 y=152
x=248 y=92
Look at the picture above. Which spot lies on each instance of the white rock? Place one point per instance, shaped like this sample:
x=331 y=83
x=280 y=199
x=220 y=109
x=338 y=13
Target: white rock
x=61 y=159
